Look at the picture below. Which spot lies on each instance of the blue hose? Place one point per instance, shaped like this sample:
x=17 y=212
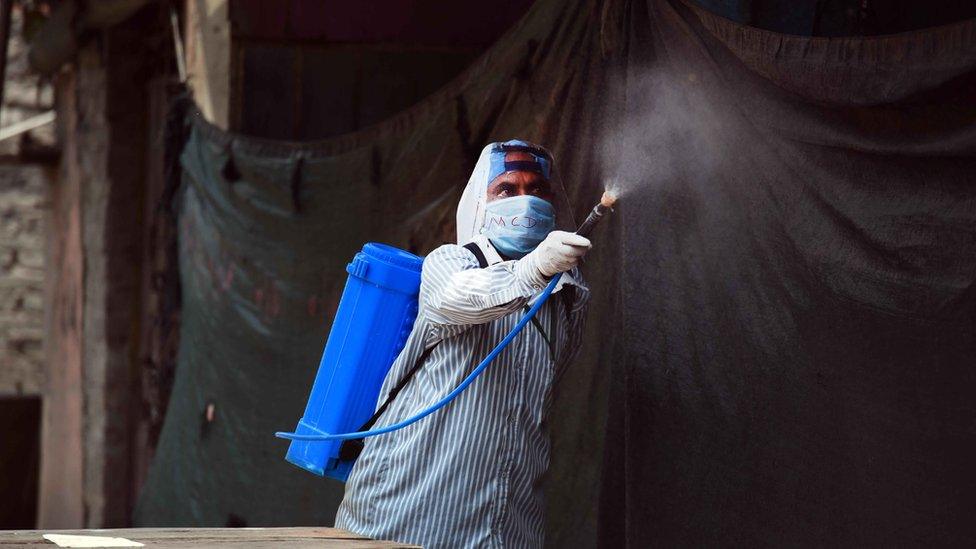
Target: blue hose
x=450 y=396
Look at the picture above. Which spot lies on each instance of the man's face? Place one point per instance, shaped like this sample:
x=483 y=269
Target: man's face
x=519 y=183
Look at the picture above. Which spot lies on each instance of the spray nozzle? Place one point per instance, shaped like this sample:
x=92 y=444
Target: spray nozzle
x=603 y=208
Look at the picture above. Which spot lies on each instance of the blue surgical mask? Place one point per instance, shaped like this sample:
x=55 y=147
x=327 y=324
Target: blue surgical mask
x=516 y=225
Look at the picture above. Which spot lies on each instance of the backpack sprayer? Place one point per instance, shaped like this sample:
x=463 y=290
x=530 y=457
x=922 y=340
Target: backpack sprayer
x=374 y=319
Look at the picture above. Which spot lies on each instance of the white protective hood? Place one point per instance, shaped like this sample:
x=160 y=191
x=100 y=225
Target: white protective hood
x=471 y=208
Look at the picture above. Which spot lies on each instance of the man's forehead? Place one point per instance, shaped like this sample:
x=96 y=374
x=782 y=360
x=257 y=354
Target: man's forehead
x=519 y=177
x=518 y=155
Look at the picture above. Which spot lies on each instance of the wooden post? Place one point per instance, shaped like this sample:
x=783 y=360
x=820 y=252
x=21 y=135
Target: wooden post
x=60 y=494
x=208 y=58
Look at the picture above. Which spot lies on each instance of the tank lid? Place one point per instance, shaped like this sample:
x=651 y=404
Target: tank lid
x=394 y=256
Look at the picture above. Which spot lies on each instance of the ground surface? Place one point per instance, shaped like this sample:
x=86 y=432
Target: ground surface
x=251 y=538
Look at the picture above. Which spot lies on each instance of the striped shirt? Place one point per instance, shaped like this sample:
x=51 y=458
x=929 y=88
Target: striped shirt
x=470 y=474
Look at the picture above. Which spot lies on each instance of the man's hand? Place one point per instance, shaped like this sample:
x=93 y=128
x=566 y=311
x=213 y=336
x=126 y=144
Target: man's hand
x=559 y=252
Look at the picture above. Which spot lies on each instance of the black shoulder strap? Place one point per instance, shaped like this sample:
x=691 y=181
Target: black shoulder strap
x=350 y=449
x=568 y=295
x=476 y=250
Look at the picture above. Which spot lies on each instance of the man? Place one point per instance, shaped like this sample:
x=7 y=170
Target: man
x=470 y=474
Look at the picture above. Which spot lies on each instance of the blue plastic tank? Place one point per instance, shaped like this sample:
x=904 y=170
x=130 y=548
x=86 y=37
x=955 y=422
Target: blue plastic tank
x=371 y=326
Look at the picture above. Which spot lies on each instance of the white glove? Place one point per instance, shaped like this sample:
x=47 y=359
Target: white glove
x=559 y=252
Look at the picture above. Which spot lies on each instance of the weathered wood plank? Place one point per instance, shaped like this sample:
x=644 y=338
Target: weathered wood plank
x=60 y=494
x=178 y=538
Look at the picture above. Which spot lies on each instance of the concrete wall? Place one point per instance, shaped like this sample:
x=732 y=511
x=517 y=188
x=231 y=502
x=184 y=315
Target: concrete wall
x=27 y=170
x=23 y=206
x=23 y=210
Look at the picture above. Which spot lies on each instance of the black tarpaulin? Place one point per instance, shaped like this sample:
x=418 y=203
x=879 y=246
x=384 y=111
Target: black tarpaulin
x=799 y=337
x=783 y=311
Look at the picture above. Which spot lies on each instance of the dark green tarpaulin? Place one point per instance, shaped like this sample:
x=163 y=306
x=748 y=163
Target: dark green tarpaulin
x=266 y=230
x=784 y=304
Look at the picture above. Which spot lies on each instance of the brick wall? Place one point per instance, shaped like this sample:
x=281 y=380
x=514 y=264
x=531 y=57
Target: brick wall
x=23 y=202
x=22 y=218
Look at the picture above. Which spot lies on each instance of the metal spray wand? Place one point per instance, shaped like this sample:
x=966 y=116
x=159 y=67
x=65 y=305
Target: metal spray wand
x=603 y=208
